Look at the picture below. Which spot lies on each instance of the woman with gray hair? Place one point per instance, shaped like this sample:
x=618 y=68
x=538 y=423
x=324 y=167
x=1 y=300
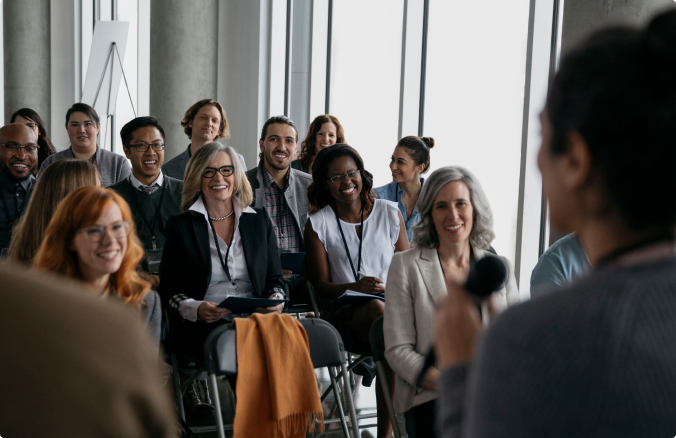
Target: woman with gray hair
x=219 y=247
x=455 y=230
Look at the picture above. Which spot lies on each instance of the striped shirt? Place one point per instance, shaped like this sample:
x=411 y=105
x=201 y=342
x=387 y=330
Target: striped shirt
x=288 y=237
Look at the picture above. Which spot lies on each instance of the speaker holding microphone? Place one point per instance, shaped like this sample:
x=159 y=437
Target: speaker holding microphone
x=485 y=277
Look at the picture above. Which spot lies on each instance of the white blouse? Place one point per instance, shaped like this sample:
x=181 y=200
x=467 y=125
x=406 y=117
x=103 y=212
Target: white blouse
x=380 y=234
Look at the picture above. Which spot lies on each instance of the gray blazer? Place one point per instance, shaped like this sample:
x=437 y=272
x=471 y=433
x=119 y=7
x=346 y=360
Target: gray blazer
x=415 y=290
x=175 y=167
x=113 y=168
x=295 y=194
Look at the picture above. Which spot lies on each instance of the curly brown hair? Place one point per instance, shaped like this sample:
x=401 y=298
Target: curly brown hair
x=224 y=130
x=308 y=151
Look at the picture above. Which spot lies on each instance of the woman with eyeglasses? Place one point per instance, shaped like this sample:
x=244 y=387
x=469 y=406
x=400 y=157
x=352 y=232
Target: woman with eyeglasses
x=92 y=238
x=30 y=118
x=83 y=125
x=350 y=238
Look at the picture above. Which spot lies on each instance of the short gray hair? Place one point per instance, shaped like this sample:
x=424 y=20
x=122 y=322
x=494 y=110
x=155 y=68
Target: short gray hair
x=424 y=232
x=192 y=185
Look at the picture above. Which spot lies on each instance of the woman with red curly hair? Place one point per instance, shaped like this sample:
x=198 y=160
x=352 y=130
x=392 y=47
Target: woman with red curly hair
x=92 y=238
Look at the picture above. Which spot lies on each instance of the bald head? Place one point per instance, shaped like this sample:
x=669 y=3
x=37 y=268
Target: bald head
x=17 y=164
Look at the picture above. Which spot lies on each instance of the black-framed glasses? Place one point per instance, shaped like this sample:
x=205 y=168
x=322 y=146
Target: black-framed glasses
x=210 y=172
x=339 y=178
x=96 y=232
x=29 y=149
x=143 y=147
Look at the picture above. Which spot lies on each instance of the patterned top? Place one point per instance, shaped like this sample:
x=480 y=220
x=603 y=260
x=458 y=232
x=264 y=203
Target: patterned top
x=288 y=237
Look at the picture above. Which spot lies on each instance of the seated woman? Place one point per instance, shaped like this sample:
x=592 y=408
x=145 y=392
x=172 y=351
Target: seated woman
x=324 y=131
x=92 y=238
x=55 y=183
x=30 y=118
x=350 y=238
x=218 y=247
x=410 y=159
x=455 y=230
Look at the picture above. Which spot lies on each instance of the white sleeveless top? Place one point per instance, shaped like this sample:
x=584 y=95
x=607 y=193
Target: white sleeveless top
x=380 y=233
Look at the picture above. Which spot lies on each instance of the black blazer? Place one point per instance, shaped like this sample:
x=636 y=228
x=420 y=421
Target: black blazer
x=185 y=271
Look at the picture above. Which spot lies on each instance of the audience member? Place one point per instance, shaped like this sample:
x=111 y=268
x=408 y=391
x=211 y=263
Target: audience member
x=219 y=247
x=74 y=365
x=282 y=191
x=18 y=159
x=92 y=238
x=410 y=159
x=324 y=131
x=564 y=261
x=82 y=123
x=599 y=357
x=350 y=238
x=30 y=118
x=55 y=183
x=203 y=123
x=152 y=196
x=455 y=231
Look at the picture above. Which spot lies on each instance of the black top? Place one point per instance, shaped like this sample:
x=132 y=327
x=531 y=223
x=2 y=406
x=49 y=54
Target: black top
x=14 y=197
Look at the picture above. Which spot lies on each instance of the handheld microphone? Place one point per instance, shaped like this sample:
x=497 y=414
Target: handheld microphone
x=485 y=277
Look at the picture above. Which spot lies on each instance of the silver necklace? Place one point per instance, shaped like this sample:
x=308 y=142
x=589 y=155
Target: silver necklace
x=222 y=218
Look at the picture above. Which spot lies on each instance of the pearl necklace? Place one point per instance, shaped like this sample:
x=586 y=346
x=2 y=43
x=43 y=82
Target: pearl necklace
x=222 y=218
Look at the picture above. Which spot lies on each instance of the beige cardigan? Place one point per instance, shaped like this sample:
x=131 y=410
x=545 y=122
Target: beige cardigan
x=415 y=289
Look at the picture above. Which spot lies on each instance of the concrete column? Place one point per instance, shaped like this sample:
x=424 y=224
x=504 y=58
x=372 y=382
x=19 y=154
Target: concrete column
x=183 y=62
x=26 y=47
x=583 y=17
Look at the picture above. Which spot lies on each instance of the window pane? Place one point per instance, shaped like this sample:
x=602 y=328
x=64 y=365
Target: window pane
x=365 y=78
x=127 y=11
x=476 y=65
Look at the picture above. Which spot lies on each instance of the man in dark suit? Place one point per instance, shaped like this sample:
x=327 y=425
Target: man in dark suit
x=152 y=196
x=282 y=191
x=203 y=123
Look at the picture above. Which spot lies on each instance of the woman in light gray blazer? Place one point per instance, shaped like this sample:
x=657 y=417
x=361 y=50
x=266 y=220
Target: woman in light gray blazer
x=455 y=230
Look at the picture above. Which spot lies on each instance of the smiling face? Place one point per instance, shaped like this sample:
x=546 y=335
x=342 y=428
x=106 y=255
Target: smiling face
x=102 y=258
x=145 y=165
x=326 y=136
x=452 y=213
x=348 y=190
x=403 y=166
x=219 y=188
x=279 y=146
x=206 y=125
x=82 y=132
x=17 y=165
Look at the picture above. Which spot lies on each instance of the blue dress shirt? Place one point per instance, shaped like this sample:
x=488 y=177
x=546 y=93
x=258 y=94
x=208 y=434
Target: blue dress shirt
x=393 y=192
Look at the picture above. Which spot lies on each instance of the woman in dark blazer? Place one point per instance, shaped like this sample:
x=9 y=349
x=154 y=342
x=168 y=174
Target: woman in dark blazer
x=196 y=274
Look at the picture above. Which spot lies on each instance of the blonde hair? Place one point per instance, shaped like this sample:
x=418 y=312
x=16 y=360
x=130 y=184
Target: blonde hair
x=192 y=184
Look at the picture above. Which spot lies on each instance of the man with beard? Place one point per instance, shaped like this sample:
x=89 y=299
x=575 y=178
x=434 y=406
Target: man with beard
x=18 y=159
x=283 y=192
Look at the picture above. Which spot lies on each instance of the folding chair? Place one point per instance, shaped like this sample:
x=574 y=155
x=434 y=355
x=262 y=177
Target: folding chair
x=377 y=339
x=326 y=350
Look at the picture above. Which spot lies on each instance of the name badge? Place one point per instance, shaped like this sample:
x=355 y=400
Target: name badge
x=154 y=257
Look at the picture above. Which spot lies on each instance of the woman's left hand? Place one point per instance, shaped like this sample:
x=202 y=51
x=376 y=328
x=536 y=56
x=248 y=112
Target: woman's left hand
x=274 y=309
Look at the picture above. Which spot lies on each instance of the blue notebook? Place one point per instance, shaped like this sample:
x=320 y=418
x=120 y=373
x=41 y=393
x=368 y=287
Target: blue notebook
x=293 y=261
x=247 y=305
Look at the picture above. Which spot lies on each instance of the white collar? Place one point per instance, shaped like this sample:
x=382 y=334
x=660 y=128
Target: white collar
x=199 y=207
x=138 y=184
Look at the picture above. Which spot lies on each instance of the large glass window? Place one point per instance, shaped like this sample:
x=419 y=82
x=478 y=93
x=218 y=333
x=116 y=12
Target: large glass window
x=124 y=113
x=365 y=78
x=474 y=99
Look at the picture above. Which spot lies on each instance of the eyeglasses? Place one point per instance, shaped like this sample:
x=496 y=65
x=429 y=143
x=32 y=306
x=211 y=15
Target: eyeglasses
x=339 y=178
x=29 y=149
x=210 y=172
x=96 y=232
x=143 y=147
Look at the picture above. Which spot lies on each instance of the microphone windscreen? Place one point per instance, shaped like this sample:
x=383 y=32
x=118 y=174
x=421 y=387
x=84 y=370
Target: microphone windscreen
x=486 y=276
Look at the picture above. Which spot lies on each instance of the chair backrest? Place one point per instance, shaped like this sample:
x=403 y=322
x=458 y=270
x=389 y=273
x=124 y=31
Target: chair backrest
x=326 y=345
x=377 y=339
x=220 y=351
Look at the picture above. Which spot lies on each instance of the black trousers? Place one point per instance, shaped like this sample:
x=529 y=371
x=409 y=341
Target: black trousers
x=421 y=420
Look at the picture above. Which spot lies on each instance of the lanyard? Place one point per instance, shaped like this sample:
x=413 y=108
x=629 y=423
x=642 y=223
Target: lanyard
x=157 y=215
x=218 y=249
x=361 y=240
x=634 y=247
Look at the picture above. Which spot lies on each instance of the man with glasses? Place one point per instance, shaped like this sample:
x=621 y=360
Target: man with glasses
x=203 y=123
x=283 y=192
x=152 y=196
x=18 y=159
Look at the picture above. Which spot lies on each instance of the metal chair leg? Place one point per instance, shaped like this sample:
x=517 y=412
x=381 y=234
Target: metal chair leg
x=339 y=402
x=177 y=387
x=217 y=405
x=350 y=401
x=388 y=400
